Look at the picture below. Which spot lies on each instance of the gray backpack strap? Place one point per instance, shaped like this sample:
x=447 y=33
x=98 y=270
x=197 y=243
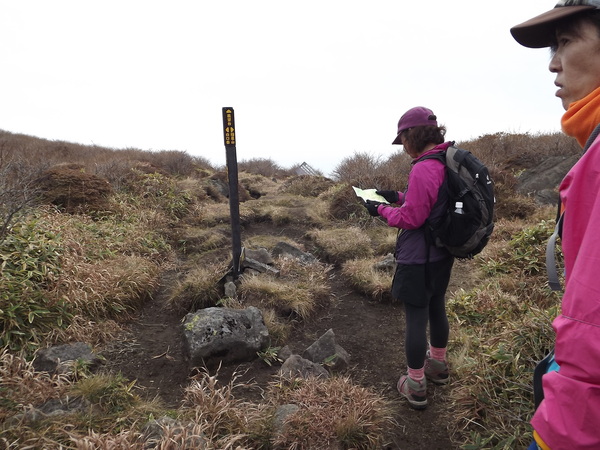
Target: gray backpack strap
x=551 y=269
x=551 y=246
x=592 y=138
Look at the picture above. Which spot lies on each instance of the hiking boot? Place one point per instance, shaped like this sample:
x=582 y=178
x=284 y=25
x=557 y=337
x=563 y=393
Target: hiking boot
x=414 y=391
x=436 y=371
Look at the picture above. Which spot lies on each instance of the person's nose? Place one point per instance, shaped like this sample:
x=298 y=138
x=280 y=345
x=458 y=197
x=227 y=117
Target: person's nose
x=554 y=65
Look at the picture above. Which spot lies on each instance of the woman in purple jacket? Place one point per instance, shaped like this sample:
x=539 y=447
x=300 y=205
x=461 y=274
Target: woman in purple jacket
x=423 y=270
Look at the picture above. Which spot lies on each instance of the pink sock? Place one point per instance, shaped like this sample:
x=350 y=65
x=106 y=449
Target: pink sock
x=416 y=374
x=437 y=353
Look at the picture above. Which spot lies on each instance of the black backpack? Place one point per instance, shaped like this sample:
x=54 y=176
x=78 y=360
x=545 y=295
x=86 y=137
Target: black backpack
x=467 y=181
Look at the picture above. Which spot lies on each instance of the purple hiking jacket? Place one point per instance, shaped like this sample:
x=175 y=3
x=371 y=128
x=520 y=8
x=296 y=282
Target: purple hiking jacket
x=422 y=200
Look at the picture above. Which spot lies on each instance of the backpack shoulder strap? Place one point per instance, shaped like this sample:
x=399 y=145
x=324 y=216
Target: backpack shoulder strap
x=592 y=138
x=440 y=156
x=551 y=269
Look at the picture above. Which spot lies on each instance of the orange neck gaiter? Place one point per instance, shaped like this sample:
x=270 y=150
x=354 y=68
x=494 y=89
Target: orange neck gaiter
x=582 y=117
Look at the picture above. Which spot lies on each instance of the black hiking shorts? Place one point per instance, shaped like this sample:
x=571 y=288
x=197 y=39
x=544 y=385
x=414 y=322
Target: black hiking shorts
x=418 y=284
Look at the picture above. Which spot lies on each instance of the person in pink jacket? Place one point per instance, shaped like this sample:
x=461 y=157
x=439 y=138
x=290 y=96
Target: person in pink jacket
x=422 y=269
x=569 y=415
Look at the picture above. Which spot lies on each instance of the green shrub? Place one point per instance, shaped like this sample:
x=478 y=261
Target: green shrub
x=526 y=252
x=29 y=267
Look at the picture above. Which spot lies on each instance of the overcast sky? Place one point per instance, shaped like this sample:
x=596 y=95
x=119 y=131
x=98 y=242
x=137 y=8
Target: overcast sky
x=313 y=81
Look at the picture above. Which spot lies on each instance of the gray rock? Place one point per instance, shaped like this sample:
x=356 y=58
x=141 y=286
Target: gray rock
x=214 y=335
x=281 y=414
x=155 y=431
x=284 y=353
x=230 y=289
x=250 y=263
x=546 y=176
x=59 y=358
x=296 y=366
x=326 y=351
x=285 y=250
x=387 y=264
x=52 y=408
x=261 y=255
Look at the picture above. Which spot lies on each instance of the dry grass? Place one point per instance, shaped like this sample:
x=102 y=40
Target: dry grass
x=110 y=261
x=223 y=419
x=338 y=245
x=22 y=386
x=305 y=185
x=97 y=291
x=197 y=240
x=201 y=288
x=287 y=209
x=503 y=327
x=258 y=185
x=269 y=241
x=334 y=413
x=365 y=278
x=209 y=215
x=84 y=329
x=383 y=238
x=296 y=293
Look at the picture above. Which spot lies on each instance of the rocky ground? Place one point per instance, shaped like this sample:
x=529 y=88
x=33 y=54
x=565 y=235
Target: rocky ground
x=371 y=332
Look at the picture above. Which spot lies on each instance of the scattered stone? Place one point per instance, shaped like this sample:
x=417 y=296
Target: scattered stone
x=60 y=358
x=387 y=264
x=296 y=366
x=249 y=263
x=281 y=414
x=285 y=250
x=541 y=180
x=284 y=353
x=230 y=289
x=52 y=408
x=155 y=430
x=261 y=255
x=214 y=335
x=326 y=351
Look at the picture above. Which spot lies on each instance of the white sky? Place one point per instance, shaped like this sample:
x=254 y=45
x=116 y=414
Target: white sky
x=313 y=81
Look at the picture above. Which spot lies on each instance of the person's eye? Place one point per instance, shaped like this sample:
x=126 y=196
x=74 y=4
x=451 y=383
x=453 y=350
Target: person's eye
x=560 y=42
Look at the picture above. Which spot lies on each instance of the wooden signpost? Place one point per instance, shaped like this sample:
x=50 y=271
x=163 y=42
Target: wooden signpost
x=234 y=202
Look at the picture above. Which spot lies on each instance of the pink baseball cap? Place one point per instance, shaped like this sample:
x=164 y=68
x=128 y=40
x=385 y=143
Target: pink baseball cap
x=418 y=116
x=540 y=31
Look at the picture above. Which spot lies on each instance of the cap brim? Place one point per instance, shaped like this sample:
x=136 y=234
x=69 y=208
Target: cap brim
x=397 y=141
x=539 y=32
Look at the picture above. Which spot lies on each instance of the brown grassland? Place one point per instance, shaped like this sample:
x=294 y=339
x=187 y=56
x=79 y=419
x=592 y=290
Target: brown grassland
x=100 y=245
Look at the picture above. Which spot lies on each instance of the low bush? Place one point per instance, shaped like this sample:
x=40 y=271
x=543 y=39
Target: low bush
x=30 y=263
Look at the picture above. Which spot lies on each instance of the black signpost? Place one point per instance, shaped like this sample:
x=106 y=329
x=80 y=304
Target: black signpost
x=234 y=202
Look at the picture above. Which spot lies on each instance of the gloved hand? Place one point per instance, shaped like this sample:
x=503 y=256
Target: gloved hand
x=372 y=207
x=390 y=196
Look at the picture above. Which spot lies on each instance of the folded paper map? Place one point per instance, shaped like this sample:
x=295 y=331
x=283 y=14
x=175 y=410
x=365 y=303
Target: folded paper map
x=369 y=194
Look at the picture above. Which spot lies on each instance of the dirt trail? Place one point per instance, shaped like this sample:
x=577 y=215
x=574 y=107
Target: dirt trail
x=372 y=332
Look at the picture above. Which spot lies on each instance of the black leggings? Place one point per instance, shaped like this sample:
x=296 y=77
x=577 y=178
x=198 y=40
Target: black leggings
x=422 y=288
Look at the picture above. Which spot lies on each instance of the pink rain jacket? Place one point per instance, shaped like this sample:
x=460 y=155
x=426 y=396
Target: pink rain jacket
x=569 y=415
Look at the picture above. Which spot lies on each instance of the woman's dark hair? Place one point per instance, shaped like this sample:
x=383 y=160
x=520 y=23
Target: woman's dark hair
x=418 y=138
x=571 y=25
